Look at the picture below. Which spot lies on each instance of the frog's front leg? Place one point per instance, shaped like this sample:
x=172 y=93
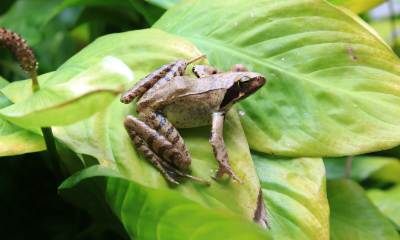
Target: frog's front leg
x=238 y=68
x=218 y=144
x=138 y=130
x=202 y=71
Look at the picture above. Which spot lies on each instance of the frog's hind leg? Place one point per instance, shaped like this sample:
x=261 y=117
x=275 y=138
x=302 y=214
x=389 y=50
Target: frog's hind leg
x=146 y=83
x=202 y=71
x=138 y=130
x=149 y=154
x=160 y=123
x=154 y=140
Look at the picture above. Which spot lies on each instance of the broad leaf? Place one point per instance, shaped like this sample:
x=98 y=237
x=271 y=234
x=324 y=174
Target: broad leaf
x=354 y=216
x=358 y=6
x=149 y=213
x=15 y=140
x=103 y=136
x=294 y=193
x=3 y=82
x=131 y=7
x=166 y=4
x=81 y=97
x=332 y=86
x=378 y=168
x=387 y=202
x=19 y=142
x=362 y=23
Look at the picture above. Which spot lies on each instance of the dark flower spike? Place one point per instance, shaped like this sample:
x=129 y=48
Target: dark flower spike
x=22 y=52
x=27 y=59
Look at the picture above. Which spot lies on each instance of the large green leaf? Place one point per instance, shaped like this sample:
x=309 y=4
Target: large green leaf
x=3 y=82
x=354 y=216
x=149 y=213
x=387 y=202
x=294 y=192
x=104 y=137
x=361 y=21
x=378 y=168
x=151 y=13
x=166 y=4
x=332 y=86
x=79 y=98
x=15 y=140
x=358 y=6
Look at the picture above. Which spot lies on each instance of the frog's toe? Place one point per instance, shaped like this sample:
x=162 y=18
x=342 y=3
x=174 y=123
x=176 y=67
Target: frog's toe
x=222 y=170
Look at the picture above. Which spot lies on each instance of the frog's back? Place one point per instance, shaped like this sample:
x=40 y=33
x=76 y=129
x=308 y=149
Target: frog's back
x=186 y=102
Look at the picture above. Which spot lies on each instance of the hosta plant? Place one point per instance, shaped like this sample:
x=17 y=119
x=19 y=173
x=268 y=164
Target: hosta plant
x=332 y=90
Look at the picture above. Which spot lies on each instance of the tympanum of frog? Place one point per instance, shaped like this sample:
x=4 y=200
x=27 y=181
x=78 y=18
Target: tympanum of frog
x=172 y=101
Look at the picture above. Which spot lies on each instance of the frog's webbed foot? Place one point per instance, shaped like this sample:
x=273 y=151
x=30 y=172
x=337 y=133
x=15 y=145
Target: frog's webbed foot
x=217 y=142
x=228 y=170
x=173 y=169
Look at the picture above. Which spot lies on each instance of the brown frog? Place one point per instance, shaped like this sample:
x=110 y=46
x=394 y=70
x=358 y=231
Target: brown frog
x=172 y=101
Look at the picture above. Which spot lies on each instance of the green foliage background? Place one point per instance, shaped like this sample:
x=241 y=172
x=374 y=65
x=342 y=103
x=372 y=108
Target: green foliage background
x=321 y=100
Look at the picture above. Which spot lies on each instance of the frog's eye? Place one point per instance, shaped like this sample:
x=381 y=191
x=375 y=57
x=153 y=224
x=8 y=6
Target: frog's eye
x=244 y=82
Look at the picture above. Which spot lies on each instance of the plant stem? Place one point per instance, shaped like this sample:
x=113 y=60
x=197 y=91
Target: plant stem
x=348 y=167
x=51 y=148
x=35 y=83
x=48 y=135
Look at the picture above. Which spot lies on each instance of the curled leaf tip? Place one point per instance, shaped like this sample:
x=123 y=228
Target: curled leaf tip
x=19 y=48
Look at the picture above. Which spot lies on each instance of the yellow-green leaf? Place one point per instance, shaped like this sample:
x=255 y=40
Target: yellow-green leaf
x=332 y=86
x=79 y=98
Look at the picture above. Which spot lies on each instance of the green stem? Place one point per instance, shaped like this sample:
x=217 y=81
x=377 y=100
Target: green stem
x=51 y=148
x=48 y=135
x=35 y=82
x=348 y=167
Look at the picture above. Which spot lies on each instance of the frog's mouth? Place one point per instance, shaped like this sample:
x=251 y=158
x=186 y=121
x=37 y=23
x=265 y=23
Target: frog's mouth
x=235 y=94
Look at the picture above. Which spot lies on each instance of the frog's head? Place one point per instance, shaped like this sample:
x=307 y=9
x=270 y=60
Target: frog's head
x=244 y=84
